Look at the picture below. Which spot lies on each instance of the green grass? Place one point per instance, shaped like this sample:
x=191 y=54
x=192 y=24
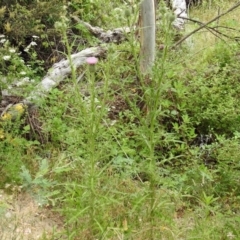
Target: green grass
x=138 y=157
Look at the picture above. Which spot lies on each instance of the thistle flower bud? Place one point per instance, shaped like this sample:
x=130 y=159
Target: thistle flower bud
x=127 y=13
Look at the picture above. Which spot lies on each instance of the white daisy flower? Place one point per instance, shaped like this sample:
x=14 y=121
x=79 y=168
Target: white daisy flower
x=12 y=50
x=33 y=43
x=6 y=58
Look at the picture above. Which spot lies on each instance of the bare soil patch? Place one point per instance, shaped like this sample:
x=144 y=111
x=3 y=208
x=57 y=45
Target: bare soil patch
x=21 y=217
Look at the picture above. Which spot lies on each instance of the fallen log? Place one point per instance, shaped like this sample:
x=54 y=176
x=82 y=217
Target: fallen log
x=116 y=35
x=62 y=69
x=55 y=75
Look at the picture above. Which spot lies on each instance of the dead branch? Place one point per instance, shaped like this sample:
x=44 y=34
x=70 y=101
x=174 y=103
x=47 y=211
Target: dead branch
x=59 y=72
x=206 y=24
x=116 y=35
x=212 y=30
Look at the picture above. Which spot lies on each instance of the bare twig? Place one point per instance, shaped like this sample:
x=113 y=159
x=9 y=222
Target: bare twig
x=211 y=29
x=230 y=28
x=205 y=24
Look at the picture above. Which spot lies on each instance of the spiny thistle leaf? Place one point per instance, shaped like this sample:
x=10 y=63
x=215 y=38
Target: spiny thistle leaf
x=8 y=27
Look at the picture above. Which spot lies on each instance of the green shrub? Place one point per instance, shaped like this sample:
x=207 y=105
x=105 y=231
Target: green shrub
x=211 y=93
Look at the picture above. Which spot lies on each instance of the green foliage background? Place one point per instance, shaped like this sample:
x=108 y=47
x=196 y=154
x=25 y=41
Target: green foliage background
x=136 y=153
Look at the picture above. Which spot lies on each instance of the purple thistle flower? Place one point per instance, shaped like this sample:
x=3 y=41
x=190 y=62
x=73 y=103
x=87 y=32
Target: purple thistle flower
x=92 y=60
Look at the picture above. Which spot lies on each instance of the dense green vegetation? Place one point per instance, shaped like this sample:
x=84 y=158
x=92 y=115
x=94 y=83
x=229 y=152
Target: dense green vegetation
x=120 y=155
